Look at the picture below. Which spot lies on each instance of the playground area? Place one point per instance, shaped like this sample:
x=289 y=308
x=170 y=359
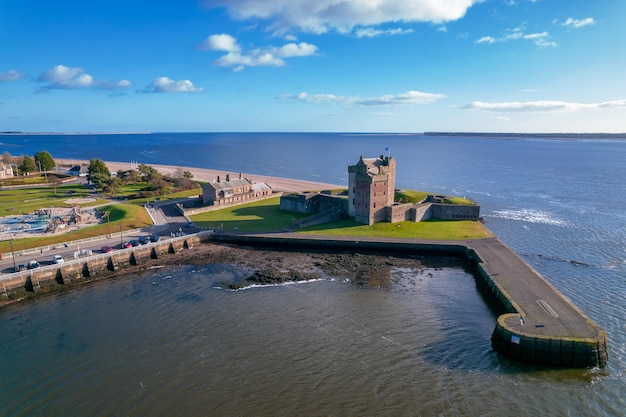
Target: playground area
x=48 y=221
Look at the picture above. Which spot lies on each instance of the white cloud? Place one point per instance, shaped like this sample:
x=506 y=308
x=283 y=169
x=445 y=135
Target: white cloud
x=373 y=33
x=68 y=78
x=578 y=23
x=317 y=98
x=271 y=56
x=320 y=16
x=539 y=38
x=167 y=85
x=11 y=76
x=543 y=106
x=221 y=42
x=408 y=98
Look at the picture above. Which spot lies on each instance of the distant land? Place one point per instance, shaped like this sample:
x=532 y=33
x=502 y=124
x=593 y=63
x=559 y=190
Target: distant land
x=504 y=135
x=71 y=133
x=501 y=135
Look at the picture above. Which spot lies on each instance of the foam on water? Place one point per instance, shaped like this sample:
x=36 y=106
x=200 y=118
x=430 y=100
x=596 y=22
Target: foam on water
x=528 y=215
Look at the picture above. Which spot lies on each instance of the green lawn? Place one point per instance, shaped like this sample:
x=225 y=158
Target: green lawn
x=27 y=200
x=429 y=230
x=258 y=216
x=411 y=196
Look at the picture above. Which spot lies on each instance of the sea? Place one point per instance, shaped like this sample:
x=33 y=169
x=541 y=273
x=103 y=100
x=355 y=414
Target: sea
x=170 y=342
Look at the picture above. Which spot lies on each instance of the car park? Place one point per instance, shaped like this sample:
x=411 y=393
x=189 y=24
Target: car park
x=106 y=249
x=58 y=259
x=32 y=265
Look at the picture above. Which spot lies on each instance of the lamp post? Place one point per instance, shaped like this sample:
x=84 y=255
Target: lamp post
x=108 y=214
x=13 y=255
x=121 y=240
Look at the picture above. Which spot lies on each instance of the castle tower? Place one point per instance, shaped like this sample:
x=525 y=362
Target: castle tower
x=371 y=186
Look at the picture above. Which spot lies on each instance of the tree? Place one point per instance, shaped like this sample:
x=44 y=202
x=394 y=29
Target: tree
x=7 y=158
x=112 y=186
x=98 y=173
x=27 y=166
x=44 y=160
x=149 y=174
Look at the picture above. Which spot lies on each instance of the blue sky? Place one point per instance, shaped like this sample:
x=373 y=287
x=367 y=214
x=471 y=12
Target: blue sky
x=313 y=65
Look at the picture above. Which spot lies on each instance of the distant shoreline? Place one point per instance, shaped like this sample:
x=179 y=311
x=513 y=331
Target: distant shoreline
x=494 y=135
x=504 y=135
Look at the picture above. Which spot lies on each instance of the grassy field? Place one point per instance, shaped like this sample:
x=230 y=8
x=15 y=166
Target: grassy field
x=430 y=230
x=410 y=196
x=127 y=215
x=33 y=179
x=170 y=196
x=27 y=200
x=258 y=216
x=265 y=216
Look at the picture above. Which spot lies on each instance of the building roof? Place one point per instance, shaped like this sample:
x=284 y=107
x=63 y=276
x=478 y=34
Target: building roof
x=261 y=186
x=223 y=185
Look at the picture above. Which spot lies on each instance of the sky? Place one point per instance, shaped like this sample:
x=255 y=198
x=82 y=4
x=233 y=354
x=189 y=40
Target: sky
x=529 y=66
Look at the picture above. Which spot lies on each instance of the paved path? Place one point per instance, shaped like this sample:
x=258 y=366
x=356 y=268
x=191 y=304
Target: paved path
x=545 y=311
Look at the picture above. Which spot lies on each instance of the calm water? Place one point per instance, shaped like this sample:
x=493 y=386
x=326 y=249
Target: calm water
x=168 y=342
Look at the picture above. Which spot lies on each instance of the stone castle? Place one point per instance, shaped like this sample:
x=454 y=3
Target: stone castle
x=371 y=192
x=371 y=188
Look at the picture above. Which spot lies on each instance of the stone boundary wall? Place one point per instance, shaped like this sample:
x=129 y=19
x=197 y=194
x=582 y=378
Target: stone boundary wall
x=304 y=203
x=312 y=203
x=49 y=278
x=455 y=211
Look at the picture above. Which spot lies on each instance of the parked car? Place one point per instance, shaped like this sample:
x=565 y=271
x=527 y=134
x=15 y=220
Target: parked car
x=143 y=240
x=58 y=259
x=106 y=249
x=134 y=242
x=155 y=238
x=32 y=265
x=126 y=245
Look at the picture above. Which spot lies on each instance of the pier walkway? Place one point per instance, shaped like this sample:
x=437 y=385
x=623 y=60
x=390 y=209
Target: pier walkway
x=537 y=324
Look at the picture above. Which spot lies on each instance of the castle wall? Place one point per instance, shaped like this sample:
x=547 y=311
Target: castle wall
x=455 y=212
x=300 y=203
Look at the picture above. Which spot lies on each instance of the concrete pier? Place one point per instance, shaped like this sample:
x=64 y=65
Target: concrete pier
x=537 y=324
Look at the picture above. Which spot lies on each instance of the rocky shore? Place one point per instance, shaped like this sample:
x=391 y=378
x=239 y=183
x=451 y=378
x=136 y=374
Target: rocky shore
x=275 y=266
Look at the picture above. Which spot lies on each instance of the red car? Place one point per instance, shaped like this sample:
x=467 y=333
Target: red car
x=127 y=245
x=106 y=249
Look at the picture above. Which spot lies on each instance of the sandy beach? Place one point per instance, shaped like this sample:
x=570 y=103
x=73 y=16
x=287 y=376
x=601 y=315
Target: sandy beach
x=206 y=175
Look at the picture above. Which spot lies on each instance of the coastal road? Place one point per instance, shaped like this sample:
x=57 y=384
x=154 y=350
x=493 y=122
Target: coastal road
x=168 y=223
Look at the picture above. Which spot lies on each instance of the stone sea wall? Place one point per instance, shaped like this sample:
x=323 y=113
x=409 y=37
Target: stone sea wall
x=49 y=278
